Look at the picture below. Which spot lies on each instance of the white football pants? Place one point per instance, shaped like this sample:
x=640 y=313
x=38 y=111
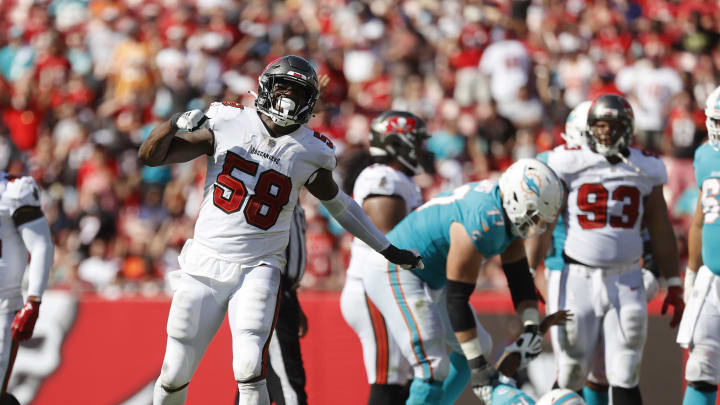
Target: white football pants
x=608 y=304
x=700 y=329
x=8 y=309
x=416 y=317
x=384 y=362
x=250 y=297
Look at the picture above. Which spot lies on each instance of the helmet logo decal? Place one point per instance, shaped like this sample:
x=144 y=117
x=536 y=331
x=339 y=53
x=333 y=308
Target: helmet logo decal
x=298 y=75
x=531 y=182
x=401 y=125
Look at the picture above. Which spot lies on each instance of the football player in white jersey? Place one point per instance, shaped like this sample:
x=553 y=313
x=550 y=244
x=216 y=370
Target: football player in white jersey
x=613 y=190
x=257 y=161
x=387 y=193
x=23 y=230
x=700 y=326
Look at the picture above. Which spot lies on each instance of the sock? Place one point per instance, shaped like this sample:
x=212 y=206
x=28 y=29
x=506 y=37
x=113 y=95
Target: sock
x=424 y=392
x=457 y=379
x=626 y=396
x=162 y=397
x=595 y=397
x=693 y=396
x=254 y=393
x=387 y=394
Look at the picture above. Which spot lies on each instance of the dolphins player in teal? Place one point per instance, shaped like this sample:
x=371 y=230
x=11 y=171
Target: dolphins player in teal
x=700 y=325
x=454 y=232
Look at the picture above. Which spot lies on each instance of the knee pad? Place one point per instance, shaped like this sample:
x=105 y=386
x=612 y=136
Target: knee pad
x=634 y=327
x=703 y=386
x=571 y=375
x=247 y=363
x=425 y=392
x=177 y=366
x=624 y=369
x=184 y=316
x=256 y=308
x=703 y=364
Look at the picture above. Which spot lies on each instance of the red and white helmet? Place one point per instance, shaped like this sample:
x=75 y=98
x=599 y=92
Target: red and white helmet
x=712 y=118
x=532 y=196
x=576 y=127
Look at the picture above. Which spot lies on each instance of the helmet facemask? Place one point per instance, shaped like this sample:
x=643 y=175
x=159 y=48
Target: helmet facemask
x=713 y=129
x=613 y=130
x=286 y=100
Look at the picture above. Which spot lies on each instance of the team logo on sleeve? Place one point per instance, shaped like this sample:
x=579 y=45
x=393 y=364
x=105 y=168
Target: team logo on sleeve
x=531 y=182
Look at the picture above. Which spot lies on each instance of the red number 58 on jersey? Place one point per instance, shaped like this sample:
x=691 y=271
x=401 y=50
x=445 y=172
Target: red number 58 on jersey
x=268 y=195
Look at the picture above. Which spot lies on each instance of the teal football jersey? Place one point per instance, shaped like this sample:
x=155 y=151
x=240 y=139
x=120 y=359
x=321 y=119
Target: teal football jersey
x=707 y=174
x=477 y=206
x=554 y=259
x=505 y=394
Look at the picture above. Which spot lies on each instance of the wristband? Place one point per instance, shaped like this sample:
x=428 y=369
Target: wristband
x=673 y=282
x=471 y=349
x=530 y=316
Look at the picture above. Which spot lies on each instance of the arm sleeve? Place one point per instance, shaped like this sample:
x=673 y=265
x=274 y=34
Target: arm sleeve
x=36 y=236
x=352 y=217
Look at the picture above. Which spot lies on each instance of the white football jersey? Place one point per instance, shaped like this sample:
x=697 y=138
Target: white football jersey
x=379 y=179
x=605 y=203
x=252 y=185
x=15 y=192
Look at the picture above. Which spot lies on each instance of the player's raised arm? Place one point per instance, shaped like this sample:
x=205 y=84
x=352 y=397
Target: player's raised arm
x=664 y=248
x=352 y=217
x=35 y=234
x=165 y=145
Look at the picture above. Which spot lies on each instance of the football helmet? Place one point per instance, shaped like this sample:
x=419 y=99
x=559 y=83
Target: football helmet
x=561 y=396
x=712 y=112
x=399 y=135
x=576 y=125
x=532 y=196
x=285 y=107
x=617 y=112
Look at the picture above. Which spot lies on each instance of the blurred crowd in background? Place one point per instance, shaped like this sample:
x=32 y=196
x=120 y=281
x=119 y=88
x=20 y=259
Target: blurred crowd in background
x=82 y=83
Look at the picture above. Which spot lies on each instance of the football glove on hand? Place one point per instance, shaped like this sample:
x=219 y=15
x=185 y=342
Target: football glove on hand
x=674 y=298
x=481 y=375
x=406 y=259
x=24 y=322
x=528 y=345
x=189 y=120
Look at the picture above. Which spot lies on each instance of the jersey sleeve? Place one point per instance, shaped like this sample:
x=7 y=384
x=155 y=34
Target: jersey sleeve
x=21 y=192
x=325 y=158
x=561 y=161
x=656 y=170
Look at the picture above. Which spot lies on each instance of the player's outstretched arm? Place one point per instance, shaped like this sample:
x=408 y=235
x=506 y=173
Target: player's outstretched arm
x=35 y=233
x=165 y=146
x=694 y=250
x=664 y=248
x=352 y=217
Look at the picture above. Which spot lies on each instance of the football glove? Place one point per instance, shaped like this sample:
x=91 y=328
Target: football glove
x=24 y=321
x=528 y=345
x=189 y=120
x=406 y=259
x=674 y=298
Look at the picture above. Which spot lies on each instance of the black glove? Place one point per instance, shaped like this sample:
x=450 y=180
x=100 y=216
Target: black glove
x=529 y=344
x=406 y=259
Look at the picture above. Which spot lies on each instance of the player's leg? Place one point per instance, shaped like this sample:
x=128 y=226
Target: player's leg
x=386 y=367
x=596 y=389
x=415 y=323
x=252 y=313
x=285 y=357
x=5 y=342
x=702 y=370
x=625 y=330
x=573 y=343
x=195 y=315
